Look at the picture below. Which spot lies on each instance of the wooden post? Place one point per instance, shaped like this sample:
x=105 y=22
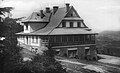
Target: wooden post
x=93 y=52
x=81 y=52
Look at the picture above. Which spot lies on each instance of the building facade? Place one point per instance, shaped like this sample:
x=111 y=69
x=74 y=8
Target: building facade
x=62 y=29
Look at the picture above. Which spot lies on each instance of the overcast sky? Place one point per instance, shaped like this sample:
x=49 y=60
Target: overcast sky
x=98 y=14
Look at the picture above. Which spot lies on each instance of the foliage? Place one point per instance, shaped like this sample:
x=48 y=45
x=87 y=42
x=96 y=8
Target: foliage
x=4 y=10
x=40 y=64
x=10 y=58
x=46 y=63
x=10 y=49
x=8 y=28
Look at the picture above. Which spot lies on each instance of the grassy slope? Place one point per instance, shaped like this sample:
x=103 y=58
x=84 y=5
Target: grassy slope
x=109 y=42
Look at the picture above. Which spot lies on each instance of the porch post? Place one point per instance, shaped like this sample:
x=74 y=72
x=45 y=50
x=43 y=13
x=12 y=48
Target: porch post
x=93 y=52
x=81 y=52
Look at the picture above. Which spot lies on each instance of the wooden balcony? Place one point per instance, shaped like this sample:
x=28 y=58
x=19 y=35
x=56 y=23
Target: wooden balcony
x=70 y=43
x=67 y=40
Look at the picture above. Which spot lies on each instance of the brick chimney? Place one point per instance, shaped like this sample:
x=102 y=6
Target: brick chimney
x=55 y=8
x=47 y=9
x=67 y=7
x=41 y=13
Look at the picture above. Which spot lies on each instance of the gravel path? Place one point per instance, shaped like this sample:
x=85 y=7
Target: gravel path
x=78 y=66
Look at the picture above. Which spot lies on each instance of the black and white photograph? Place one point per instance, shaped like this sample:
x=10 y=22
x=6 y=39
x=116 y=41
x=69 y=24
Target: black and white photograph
x=59 y=36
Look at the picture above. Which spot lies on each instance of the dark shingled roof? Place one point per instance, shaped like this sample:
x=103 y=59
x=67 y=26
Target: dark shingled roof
x=36 y=17
x=65 y=31
x=54 y=21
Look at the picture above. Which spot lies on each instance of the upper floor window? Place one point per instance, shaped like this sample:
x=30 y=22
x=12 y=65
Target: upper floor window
x=78 y=24
x=26 y=26
x=63 y=24
x=71 y=24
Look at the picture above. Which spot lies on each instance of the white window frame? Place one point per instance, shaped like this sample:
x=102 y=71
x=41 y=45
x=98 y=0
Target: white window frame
x=35 y=39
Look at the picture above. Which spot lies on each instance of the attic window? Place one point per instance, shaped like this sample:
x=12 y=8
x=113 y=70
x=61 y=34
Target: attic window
x=78 y=24
x=38 y=14
x=71 y=24
x=71 y=14
x=63 y=24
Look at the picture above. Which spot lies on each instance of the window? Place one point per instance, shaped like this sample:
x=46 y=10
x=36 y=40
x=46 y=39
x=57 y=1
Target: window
x=88 y=37
x=78 y=24
x=71 y=24
x=27 y=39
x=76 y=38
x=45 y=39
x=26 y=26
x=51 y=38
x=58 y=38
x=34 y=39
x=92 y=37
x=63 y=24
x=71 y=14
x=70 y=38
x=64 y=38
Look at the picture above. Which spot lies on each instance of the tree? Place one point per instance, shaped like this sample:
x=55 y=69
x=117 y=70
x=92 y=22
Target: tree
x=8 y=28
x=11 y=49
x=10 y=59
x=44 y=63
x=3 y=12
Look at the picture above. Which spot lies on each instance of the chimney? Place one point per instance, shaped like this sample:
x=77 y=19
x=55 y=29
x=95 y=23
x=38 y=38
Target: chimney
x=41 y=13
x=67 y=7
x=55 y=8
x=47 y=9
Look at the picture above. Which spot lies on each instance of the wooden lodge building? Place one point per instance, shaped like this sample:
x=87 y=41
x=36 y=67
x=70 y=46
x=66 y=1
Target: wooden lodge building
x=62 y=29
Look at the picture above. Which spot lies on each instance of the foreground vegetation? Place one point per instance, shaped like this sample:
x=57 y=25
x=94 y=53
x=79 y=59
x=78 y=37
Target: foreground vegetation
x=11 y=60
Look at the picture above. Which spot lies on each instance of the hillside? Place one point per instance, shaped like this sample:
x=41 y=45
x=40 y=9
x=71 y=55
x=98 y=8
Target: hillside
x=108 y=42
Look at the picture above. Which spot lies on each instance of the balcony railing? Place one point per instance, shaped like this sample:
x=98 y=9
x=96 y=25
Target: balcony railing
x=70 y=43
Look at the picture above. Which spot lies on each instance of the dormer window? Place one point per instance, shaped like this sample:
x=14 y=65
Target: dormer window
x=71 y=24
x=63 y=24
x=78 y=24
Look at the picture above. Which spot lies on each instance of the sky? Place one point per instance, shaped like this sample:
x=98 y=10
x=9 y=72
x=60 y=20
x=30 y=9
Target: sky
x=99 y=15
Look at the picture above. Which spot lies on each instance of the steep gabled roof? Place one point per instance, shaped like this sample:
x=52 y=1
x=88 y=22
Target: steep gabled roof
x=54 y=21
x=72 y=8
